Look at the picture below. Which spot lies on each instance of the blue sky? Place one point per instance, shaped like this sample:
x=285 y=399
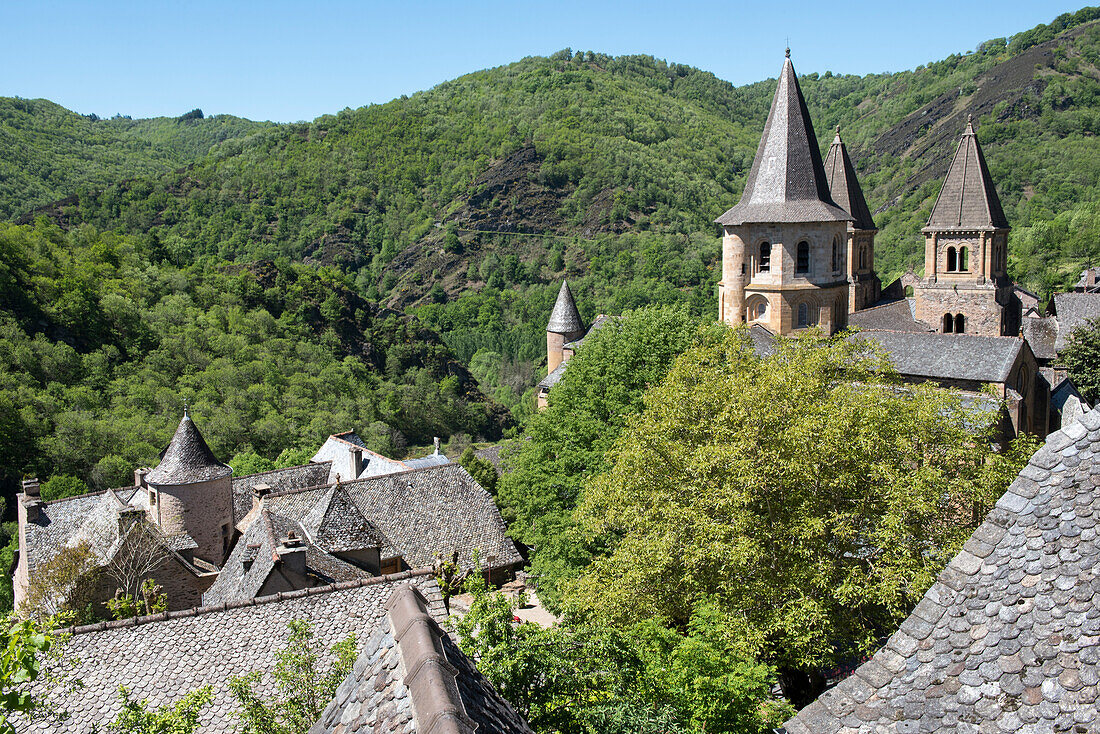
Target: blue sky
x=296 y=60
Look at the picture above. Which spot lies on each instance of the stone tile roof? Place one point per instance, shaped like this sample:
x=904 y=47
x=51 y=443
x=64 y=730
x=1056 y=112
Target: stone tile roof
x=968 y=199
x=336 y=524
x=896 y=315
x=163 y=657
x=1041 y=335
x=553 y=378
x=787 y=180
x=844 y=186
x=415 y=673
x=425 y=513
x=493 y=455
x=1008 y=638
x=949 y=356
x=426 y=461
x=187 y=459
x=763 y=340
x=1073 y=310
x=280 y=480
x=565 y=318
x=601 y=321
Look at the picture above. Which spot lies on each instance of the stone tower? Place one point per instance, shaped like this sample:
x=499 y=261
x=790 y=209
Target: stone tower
x=864 y=286
x=784 y=244
x=191 y=494
x=565 y=326
x=965 y=288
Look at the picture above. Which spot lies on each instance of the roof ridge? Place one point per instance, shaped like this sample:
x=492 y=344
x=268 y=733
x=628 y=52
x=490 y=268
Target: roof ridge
x=378 y=477
x=285 y=468
x=256 y=601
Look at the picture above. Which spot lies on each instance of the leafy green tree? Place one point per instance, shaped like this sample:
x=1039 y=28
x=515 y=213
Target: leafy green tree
x=805 y=495
x=566 y=444
x=62 y=485
x=304 y=687
x=29 y=651
x=480 y=469
x=1081 y=356
x=249 y=462
x=182 y=717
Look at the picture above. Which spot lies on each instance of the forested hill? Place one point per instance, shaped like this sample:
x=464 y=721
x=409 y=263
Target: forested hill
x=48 y=153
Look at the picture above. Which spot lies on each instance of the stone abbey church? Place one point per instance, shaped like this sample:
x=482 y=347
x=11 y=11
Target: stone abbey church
x=798 y=252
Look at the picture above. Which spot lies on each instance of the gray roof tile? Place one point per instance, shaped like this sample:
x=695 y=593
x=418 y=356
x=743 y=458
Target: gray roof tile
x=891 y=316
x=1013 y=622
x=1073 y=310
x=161 y=658
x=787 y=181
x=280 y=480
x=187 y=459
x=949 y=356
x=968 y=199
x=844 y=186
x=565 y=318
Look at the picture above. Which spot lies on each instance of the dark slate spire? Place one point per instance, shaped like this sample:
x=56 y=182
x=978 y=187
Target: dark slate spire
x=565 y=319
x=968 y=199
x=787 y=181
x=844 y=185
x=187 y=459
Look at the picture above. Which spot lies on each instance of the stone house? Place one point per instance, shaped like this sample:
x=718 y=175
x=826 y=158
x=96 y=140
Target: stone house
x=225 y=538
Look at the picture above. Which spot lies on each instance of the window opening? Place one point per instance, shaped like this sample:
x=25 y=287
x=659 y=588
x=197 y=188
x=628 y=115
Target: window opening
x=803 y=263
x=765 y=256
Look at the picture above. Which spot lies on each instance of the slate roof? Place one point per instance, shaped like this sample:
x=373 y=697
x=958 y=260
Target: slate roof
x=280 y=480
x=787 y=181
x=949 y=356
x=415 y=673
x=1072 y=311
x=601 y=321
x=426 y=461
x=1041 y=335
x=565 y=318
x=763 y=340
x=163 y=657
x=844 y=186
x=968 y=199
x=188 y=459
x=1008 y=638
x=553 y=378
x=896 y=315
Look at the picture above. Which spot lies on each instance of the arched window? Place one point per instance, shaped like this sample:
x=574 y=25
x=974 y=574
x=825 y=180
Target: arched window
x=758 y=309
x=964 y=259
x=765 y=256
x=804 y=315
x=960 y=324
x=862 y=257
x=1021 y=382
x=802 y=264
x=948 y=324
x=836 y=255
x=908 y=291
x=952 y=262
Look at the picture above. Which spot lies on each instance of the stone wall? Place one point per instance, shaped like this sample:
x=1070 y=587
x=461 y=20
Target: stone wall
x=201 y=510
x=982 y=307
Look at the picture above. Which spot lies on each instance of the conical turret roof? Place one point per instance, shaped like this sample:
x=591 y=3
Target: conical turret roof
x=187 y=459
x=844 y=186
x=787 y=181
x=968 y=199
x=565 y=318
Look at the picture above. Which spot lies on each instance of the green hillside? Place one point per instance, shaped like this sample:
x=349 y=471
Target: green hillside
x=48 y=153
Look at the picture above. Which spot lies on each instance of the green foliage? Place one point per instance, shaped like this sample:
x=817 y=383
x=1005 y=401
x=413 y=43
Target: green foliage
x=304 y=686
x=22 y=645
x=482 y=470
x=1081 y=357
x=805 y=496
x=62 y=485
x=100 y=346
x=152 y=601
x=249 y=462
x=598 y=679
x=181 y=717
x=567 y=442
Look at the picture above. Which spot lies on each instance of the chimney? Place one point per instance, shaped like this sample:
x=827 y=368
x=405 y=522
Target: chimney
x=436 y=441
x=259 y=491
x=249 y=556
x=356 y=461
x=139 y=477
x=30 y=487
x=292 y=554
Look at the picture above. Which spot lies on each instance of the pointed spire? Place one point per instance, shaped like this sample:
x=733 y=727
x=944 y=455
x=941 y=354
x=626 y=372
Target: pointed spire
x=187 y=459
x=565 y=318
x=787 y=181
x=337 y=525
x=968 y=199
x=844 y=185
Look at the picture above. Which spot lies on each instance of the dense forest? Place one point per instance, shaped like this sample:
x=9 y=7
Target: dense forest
x=464 y=206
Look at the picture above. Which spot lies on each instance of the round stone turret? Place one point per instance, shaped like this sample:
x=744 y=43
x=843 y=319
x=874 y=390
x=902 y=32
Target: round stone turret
x=565 y=326
x=191 y=493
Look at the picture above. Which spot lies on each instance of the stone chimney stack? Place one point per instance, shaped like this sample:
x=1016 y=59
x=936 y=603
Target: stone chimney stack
x=30 y=487
x=292 y=554
x=436 y=441
x=259 y=491
x=356 y=461
x=139 y=477
x=31 y=502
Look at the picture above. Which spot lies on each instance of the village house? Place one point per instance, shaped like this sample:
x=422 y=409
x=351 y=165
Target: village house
x=209 y=537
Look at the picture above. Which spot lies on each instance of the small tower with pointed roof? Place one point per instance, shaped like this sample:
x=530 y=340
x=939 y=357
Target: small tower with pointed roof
x=864 y=286
x=565 y=325
x=784 y=244
x=966 y=288
x=191 y=496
